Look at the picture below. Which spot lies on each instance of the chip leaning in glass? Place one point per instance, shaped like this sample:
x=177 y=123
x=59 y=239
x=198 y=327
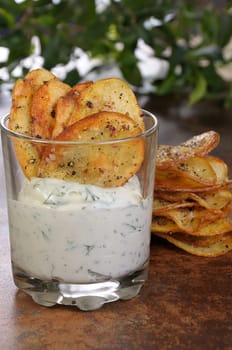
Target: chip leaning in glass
x=77 y=243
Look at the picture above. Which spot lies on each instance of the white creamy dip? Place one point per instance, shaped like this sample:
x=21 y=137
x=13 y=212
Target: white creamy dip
x=79 y=233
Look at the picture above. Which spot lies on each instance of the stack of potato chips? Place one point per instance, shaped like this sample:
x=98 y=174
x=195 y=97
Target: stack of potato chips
x=192 y=197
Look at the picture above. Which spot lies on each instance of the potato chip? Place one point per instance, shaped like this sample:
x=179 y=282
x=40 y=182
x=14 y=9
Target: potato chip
x=20 y=118
x=220 y=247
x=214 y=200
x=209 y=199
x=217 y=199
x=194 y=187
x=103 y=164
x=197 y=241
x=43 y=107
x=198 y=169
x=192 y=219
x=38 y=77
x=160 y=206
x=171 y=181
x=220 y=168
x=65 y=107
x=113 y=95
x=199 y=145
x=165 y=225
x=204 y=171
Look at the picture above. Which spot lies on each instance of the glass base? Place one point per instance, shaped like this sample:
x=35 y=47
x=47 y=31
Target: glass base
x=86 y=297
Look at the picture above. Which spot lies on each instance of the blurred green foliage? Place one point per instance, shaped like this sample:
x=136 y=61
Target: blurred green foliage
x=189 y=36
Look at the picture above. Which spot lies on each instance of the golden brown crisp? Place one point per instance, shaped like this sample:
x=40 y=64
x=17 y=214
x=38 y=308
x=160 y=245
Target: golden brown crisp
x=20 y=120
x=199 y=145
x=112 y=95
x=43 y=107
x=103 y=164
x=65 y=107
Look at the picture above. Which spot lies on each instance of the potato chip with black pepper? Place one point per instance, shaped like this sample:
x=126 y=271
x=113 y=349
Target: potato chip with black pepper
x=198 y=145
x=43 y=107
x=112 y=95
x=20 y=120
x=66 y=105
x=208 y=247
x=105 y=153
x=217 y=227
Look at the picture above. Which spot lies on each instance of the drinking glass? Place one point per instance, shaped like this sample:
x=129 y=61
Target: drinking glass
x=76 y=243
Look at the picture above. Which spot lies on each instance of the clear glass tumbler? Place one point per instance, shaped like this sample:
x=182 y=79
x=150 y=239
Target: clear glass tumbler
x=77 y=243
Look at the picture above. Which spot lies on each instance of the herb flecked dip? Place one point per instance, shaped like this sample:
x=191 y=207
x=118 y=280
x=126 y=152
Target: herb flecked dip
x=79 y=233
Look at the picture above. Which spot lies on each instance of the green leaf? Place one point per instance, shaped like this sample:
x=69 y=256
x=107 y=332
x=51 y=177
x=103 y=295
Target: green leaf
x=166 y=86
x=129 y=67
x=72 y=77
x=214 y=82
x=200 y=89
x=228 y=99
x=209 y=51
x=210 y=24
x=224 y=34
x=6 y=17
x=132 y=74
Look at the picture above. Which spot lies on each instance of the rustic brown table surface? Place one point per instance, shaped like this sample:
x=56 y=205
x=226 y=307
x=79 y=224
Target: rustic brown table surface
x=185 y=304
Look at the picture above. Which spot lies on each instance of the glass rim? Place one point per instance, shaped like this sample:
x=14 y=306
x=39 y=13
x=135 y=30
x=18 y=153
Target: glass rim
x=146 y=133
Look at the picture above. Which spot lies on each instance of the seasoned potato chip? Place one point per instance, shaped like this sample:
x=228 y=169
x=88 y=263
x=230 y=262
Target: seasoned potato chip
x=204 y=171
x=66 y=105
x=112 y=95
x=198 y=169
x=221 y=225
x=201 y=241
x=164 y=225
x=20 y=119
x=217 y=199
x=213 y=249
x=171 y=181
x=103 y=164
x=194 y=187
x=214 y=200
x=43 y=107
x=220 y=168
x=190 y=220
x=199 y=145
x=160 y=206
